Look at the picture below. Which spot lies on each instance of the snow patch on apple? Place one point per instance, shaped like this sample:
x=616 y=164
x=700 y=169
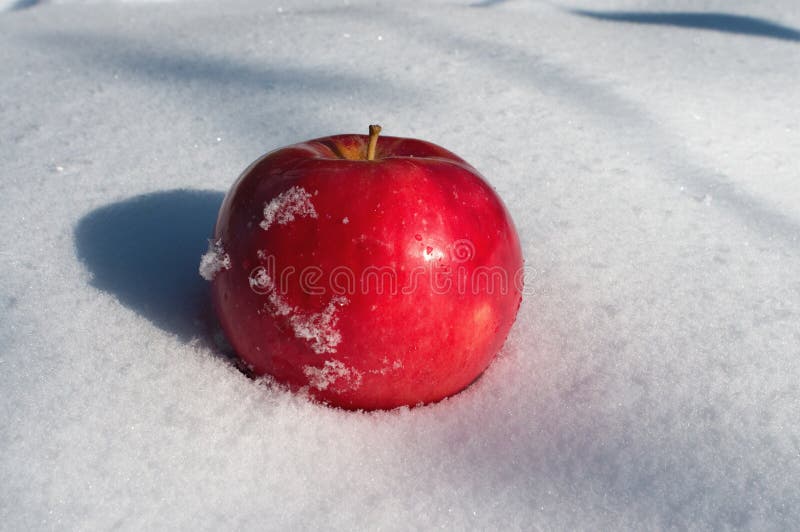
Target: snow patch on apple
x=319 y=329
x=284 y=207
x=261 y=283
x=278 y=306
x=214 y=260
x=334 y=374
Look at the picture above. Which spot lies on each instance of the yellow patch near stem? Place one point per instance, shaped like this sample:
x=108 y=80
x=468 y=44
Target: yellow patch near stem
x=352 y=152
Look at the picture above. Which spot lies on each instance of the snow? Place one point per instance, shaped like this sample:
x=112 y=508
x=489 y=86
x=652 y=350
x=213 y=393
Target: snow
x=648 y=157
x=214 y=260
x=262 y=283
x=335 y=374
x=285 y=206
x=319 y=329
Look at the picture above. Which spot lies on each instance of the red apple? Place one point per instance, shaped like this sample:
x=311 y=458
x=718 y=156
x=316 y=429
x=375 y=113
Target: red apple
x=372 y=273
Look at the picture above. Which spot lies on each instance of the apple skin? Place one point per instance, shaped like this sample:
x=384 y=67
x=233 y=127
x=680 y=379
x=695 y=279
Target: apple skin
x=417 y=211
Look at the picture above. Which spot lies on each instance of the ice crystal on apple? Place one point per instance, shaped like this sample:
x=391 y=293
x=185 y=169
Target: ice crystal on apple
x=262 y=283
x=319 y=329
x=214 y=260
x=278 y=306
x=335 y=375
x=284 y=207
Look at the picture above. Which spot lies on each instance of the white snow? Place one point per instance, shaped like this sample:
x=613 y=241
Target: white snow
x=285 y=206
x=262 y=283
x=214 y=260
x=319 y=328
x=260 y=280
x=651 y=380
x=333 y=373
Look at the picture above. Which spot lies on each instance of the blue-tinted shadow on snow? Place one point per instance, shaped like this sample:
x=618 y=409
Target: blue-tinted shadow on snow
x=24 y=4
x=145 y=251
x=486 y=3
x=722 y=22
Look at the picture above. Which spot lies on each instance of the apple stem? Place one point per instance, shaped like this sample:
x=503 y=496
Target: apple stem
x=374 y=131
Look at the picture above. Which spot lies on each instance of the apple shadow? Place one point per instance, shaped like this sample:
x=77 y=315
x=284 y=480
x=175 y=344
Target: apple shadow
x=145 y=251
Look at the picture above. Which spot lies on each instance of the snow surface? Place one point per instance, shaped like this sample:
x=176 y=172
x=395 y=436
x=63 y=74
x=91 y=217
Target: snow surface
x=648 y=152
